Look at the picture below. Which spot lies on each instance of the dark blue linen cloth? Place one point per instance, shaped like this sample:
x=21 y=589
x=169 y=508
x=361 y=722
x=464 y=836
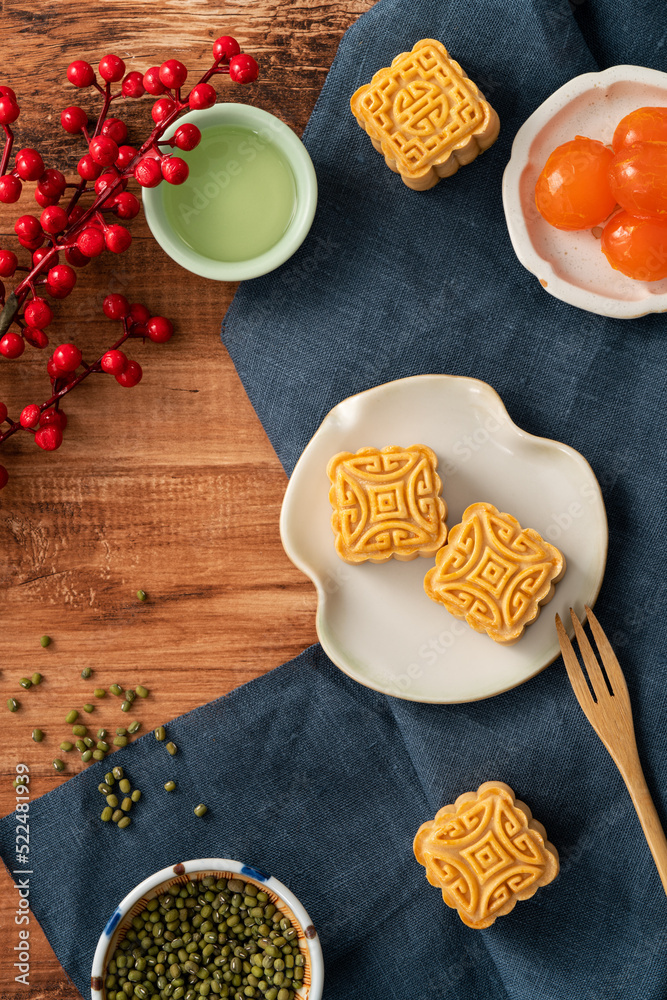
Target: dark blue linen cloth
x=320 y=781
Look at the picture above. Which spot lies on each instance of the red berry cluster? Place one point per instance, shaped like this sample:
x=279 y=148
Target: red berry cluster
x=80 y=233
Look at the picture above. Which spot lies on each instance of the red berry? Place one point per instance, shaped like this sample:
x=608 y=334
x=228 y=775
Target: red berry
x=8 y=264
x=67 y=357
x=80 y=73
x=53 y=370
x=3 y=413
x=38 y=313
x=125 y=156
x=12 y=346
x=90 y=242
x=162 y=109
x=88 y=169
x=103 y=150
x=29 y=415
x=54 y=220
x=133 y=85
x=116 y=306
x=44 y=200
x=131 y=375
x=32 y=244
x=173 y=74
x=175 y=170
x=139 y=313
x=114 y=362
x=9 y=111
x=52 y=183
x=105 y=181
x=243 y=69
x=73 y=119
x=117 y=238
x=4 y=477
x=56 y=417
x=39 y=255
x=10 y=189
x=159 y=329
x=75 y=213
x=126 y=205
x=29 y=165
x=62 y=277
x=7 y=92
x=152 y=81
x=187 y=136
x=112 y=68
x=35 y=337
x=27 y=227
x=114 y=129
x=202 y=96
x=225 y=47
x=148 y=172
x=49 y=437
x=74 y=257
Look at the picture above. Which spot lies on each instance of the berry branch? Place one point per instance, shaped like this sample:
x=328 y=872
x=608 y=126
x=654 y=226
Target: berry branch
x=82 y=233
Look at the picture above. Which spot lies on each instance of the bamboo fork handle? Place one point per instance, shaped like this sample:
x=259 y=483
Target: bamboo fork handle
x=633 y=776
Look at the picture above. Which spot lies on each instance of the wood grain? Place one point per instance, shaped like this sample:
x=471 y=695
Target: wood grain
x=172 y=486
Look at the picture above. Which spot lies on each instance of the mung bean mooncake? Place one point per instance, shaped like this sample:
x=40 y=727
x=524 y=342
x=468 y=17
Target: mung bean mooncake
x=485 y=852
x=386 y=504
x=424 y=115
x=494 y=574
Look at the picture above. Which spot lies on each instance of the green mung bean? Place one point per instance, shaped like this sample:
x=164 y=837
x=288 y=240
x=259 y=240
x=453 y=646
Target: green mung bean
x=89 y=741
x=118 y=772
x=79 y=730
x=89 y=708
x=142 y=595
x=124 y=785
x=101 y=734
x=126 y=804
x=98 y=754
x=86 y=673
x=80 y=745
x=124 y=822
x=134 y=727
x=201 y=809
x=112 y=800
x=58 y=764
x=37 y=735
x=117 y=814
x=100 y=692
x=142 y=691
x=45 y=641
x=109 y=778
x=170 y=786
x=160 y=733
x=13 y=704
x=71 y=717
x=25 y=682
x=66 y=746
x=136 y=795
x=106 y=814
x=104 y=788
x=103 y=745
x=120 y=741
x=36 y=679
x=86 y=756
x=172 y=748
x=121 y=731
x=116 y=689
x=126 y=706
x=130 y=695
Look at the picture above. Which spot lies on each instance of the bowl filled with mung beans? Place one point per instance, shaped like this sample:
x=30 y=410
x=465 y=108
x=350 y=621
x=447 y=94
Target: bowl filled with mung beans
x=208 y=928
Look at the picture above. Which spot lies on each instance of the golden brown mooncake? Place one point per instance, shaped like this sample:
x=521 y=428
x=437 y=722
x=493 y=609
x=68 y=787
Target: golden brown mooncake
x=486 y=852
x=424 y=115
x=494 y=574
x=386 y=504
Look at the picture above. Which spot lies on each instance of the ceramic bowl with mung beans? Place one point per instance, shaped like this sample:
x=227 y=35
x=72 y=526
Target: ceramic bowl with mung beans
x=208 y=928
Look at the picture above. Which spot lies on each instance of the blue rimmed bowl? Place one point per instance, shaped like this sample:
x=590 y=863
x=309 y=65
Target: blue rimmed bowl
x=194 y=871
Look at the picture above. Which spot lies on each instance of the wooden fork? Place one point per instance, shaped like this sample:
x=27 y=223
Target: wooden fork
x=610 y=715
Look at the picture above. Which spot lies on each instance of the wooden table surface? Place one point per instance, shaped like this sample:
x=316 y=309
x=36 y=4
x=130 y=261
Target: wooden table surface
x=171 y=486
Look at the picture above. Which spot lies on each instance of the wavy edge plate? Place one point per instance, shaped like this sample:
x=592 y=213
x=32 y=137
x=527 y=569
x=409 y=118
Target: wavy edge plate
x=496 y=407
x=518 y=229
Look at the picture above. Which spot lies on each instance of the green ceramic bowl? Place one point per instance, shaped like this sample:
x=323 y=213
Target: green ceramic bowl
x=305 y=180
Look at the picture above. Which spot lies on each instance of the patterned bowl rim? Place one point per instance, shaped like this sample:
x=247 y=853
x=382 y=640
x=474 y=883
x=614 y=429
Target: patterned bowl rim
x=286 y=900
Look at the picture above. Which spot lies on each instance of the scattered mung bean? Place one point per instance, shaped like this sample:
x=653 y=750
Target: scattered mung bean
x=160 y=733
x=121 y=731
x=37 y=735
x=124 y=785
x=25 y=682
x=117 y=814
x=142 y=595
x=58 y=764
x=86 y=673
x=103 y=746
x=141 y=691
x=66 y=746
x=170 y=786
x=126 y=804
x=126 y=706
x=80 y=745
x=201 y=809
x=172 y=748
x=101 y=734
x=36 y=679
x=45 y=641
x=116 y=689
x=109 y=778
x=71 y=717
x=104 y=788
x=136 y=795
x=120 y=741
x=89 y=708
x=13 y=704
x=130 y=695
x=86 y=756
x=134 y=727
x=122 y=824
x=106 y=814
x=89 y=741
x=100 y=692
x=118 y=772
x=99 y=754
x=79 y=730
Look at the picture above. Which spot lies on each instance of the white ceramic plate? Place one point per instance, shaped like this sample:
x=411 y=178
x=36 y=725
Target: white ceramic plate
x=374 y=620
x=571 y=266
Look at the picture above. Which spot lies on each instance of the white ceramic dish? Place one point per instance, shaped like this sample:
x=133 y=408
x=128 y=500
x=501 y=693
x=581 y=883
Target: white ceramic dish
x=179 y=874
x=571 y=266
x=374 y=620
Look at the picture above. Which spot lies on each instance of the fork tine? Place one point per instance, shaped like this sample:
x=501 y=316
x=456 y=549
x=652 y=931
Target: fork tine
x=574 y=671
x=596 y=677
x=611 y=664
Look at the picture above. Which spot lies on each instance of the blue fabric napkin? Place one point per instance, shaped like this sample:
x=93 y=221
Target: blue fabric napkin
x=320 y=781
